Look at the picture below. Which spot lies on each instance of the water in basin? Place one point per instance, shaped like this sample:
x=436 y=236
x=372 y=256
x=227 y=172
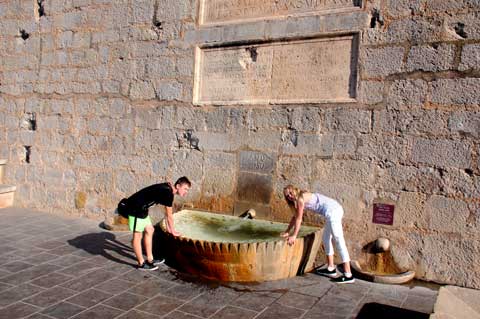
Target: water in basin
x=223 y=228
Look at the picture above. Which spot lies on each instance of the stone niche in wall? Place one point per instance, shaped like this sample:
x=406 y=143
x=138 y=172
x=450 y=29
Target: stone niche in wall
x=213 y=12
x=254 y=184
x=314 y=70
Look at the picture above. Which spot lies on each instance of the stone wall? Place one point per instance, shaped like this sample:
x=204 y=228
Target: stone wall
x=97 y=100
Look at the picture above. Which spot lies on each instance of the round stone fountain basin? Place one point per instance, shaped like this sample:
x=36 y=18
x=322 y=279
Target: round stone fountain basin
x=227 y=248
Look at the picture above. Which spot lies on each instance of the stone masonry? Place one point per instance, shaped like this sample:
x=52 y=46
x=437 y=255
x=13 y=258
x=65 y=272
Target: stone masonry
x=97 y=101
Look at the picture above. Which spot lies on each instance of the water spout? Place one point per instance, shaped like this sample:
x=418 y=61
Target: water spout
x=249 y=214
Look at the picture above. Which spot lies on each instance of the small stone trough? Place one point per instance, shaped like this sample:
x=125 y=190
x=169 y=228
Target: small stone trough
x=378 y=265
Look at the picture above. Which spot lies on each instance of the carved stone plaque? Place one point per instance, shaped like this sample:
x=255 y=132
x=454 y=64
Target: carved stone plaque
x=226 y=11
x=304 y=71
x=256 y=162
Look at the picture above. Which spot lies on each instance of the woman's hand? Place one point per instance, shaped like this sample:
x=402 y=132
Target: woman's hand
x=284 y=234
x=175 y=233
x=291 y=240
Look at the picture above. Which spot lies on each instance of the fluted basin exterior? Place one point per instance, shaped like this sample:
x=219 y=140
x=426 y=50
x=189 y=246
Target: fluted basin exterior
x=253 y=261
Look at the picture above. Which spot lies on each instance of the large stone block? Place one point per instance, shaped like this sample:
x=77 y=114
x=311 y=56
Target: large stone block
x=141 y=90
x=465 y=122
x=461 y=183
x=415 y=122
x=431 y=58
x=456 y=91
x=189 y=118
x=218 y=182
x=306 y=119
x=143 y=11
x=404 y=8
x=410 y=211
x=344 y=144
x=348 y=120
x=184 y=65
x=170 y=90
x=440 y=152
x=295 y=170
x=464 y=25
x=345 y=172
x=437 y=253
x=382 y=147
x=160 y=68
x=216 y=119
x=406 y=94
x=385 y=121
x=175 y=10
x=371 y=92
x=221 y=160
x=412 y=29
x=409 y=178
x=270 y=118
x=188 y=163
x=307 y=144
x=381 y=62
x=217 y=141
x=470 y=57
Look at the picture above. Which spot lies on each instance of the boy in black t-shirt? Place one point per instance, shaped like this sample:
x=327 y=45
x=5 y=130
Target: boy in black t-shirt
x=141 y=201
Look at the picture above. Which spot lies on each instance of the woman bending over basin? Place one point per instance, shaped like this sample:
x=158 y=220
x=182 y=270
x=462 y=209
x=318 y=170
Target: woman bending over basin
x=332 y=211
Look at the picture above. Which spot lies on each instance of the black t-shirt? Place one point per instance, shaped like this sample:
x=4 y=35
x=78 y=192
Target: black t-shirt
x=155 y=194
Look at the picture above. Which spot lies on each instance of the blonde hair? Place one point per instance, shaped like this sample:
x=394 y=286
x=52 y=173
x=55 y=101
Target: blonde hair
x=297 y=194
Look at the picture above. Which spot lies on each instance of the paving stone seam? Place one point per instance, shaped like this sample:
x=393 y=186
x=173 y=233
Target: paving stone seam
x=260 y=313
x=157 y=295
x=95 y=305
x=243 y=308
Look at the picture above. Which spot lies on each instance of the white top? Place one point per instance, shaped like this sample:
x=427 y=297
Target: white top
x=321 y=204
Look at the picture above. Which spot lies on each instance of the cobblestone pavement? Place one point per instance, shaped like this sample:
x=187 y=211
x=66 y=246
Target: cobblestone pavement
x=68 y=267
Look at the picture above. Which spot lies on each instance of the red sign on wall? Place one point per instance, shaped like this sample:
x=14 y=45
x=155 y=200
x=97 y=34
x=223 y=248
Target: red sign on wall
x=383 y=214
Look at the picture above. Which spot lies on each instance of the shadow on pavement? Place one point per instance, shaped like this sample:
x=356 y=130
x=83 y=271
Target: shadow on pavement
x=104 y=244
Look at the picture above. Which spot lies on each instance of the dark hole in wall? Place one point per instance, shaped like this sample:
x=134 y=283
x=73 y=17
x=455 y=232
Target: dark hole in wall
x=469 y=172
x=41 y=9
x=24 y=35
x=31 y=121
x=253 y=53
x=158 y=25
x=460 y=30
x=28 y=152
x=376 y=18
x=193 y=140
x=294 y=137
x=441 y=172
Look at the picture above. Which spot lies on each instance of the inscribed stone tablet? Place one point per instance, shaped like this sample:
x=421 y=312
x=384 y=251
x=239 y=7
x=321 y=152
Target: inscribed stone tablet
x=227 y=11
x=320 y=70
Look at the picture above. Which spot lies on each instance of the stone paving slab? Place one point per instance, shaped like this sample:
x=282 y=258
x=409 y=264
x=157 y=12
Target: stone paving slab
x=66 y=267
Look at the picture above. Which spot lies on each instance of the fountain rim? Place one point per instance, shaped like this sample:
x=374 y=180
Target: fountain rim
x=398 y=278
x=163 y=227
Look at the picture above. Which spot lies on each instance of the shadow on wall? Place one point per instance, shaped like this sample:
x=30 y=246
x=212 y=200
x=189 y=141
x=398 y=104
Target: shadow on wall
x=105 y=244
x=377 y=310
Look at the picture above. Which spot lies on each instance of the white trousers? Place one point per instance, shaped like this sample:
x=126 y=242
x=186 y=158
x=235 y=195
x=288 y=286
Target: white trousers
x=333 y=230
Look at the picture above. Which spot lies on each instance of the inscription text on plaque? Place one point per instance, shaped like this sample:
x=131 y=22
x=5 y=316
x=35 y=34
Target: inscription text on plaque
x=304 y=71
x=226 y=11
